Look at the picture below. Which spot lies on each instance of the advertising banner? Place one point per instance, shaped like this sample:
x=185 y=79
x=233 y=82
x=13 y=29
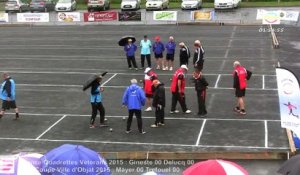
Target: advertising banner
x=7 y=165
x=3 y=17
x=100 y=16
x=289 y=15
x=130 y=16
x=165 y=15
x=68 y=17
x=32 y=17
x=271 y=17
x=289 y=97
x=202 y=15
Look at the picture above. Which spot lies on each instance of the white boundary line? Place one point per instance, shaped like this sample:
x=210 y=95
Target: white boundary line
x=147 y=144
x=38 y=138
x=263 y=81
x=103 y=84
x=217 y=81
x=148 y=117
x=266 y=134
x=201 y=132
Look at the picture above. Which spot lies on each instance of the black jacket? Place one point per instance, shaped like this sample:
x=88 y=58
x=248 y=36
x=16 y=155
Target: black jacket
x=184 y=54
x=159 y=97
x=198 y=56
x=200 y=83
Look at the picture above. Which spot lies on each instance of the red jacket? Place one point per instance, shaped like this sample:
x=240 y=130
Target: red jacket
x=149 y=77
x=175 y=79
x=241 y=73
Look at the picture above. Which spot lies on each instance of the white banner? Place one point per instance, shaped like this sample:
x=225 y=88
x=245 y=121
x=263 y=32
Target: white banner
x=165 y=15
x=271 y=17
x=68 y=17
x=32 y=17
x=289 y=97
x=289 y=15
x=3 y=17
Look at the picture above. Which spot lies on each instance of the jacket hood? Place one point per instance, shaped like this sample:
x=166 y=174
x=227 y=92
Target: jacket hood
x=133 y=87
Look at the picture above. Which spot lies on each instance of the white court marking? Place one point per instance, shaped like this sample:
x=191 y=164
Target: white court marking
x=266 y=134
x=218 y=79
x=48 y=129
x=201 y=132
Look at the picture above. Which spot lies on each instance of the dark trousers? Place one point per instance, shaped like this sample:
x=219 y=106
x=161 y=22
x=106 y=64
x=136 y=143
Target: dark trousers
x=97 y=107
x=138 y=114
x=159 y=115
x=178 y=97
x=148 y=57
x=199 y=66
x=201 y=95
x=183 y=62
x=131 y=60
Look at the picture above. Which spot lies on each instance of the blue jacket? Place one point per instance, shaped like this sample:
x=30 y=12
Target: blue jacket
x=130 y=49
x=170 y=46
x=8 y=89
x=158 y=47
x=134 y=97
x=96 y=96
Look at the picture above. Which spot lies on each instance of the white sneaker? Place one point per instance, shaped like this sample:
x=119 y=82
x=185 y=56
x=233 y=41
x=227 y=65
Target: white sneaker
x=157 y=67
x=148 y=109
x=172 y=112
x=188 y=111
x=166 y=68
x=171 y=68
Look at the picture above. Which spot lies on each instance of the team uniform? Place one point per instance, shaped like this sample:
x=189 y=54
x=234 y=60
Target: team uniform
x=145 y=52
x=178 y=92
x=184 y=55
x=170 y=46
x=149 y=77
x=200 y=87
x=8 y=95
x=159 y=102
x=130 y=54
x=240 y=81
x=198 y=58
x=96 y=103
x=158 y=49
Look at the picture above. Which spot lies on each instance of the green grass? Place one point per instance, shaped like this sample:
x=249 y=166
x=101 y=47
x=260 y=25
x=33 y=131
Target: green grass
x=175 y=5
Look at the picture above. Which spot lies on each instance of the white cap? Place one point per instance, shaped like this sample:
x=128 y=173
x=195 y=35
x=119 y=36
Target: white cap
x=197 y=42
x=181 y=44
x=147 y=70
x=236 y=63
x=184 y=67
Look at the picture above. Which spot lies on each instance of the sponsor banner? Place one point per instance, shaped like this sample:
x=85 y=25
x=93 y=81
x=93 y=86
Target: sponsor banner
x=32 y=17
x=202 y=15
x=271 y=17
x=3 y=17
x=260 y=14
x=7 y=165
x=296 y=140
x=100 y=16
x=165 y=15
x=289 y=97
x=289 y=15
x=130 y=16
x=68 y=17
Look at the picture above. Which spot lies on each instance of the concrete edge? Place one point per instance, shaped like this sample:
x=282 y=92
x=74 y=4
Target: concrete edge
x=140 y=155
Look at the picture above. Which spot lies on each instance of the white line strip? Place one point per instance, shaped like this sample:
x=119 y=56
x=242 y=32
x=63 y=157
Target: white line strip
x=200 y=133
x=103 y=84
x=148 y=117
x=80 y=86
x=263 y=81
x=266 y=134
x=51 y=127
x=147 y=144
x=217 y=82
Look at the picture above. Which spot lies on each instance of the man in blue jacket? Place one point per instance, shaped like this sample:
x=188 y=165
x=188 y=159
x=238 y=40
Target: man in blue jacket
x=158 y=49
x=8 y=95
x=130 y=49
x=134 y=99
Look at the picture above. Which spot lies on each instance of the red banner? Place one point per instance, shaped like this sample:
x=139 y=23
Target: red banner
x=100 y=16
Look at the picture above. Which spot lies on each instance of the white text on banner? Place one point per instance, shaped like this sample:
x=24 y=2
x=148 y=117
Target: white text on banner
x=32 y=17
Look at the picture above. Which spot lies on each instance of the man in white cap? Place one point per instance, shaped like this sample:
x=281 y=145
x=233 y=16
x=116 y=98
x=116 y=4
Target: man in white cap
x=198 y=56
x=150 y=75
x=184 y=54
x=178 y=88
x=240 y=77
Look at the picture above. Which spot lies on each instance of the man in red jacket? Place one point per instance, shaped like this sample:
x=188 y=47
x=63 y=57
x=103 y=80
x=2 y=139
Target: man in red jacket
x=150 y=75
x=177 y=89
x=240 y=85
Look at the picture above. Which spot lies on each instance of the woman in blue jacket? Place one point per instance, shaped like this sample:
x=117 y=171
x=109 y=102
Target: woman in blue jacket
x=96 y=102
x=158 y=49
x=130 y=49
x=134 y=99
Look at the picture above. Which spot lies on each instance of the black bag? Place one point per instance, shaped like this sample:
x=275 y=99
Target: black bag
x=249 y=74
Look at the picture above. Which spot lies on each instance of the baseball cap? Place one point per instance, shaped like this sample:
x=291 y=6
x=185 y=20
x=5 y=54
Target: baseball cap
x=147 y=70
x=184 y=67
